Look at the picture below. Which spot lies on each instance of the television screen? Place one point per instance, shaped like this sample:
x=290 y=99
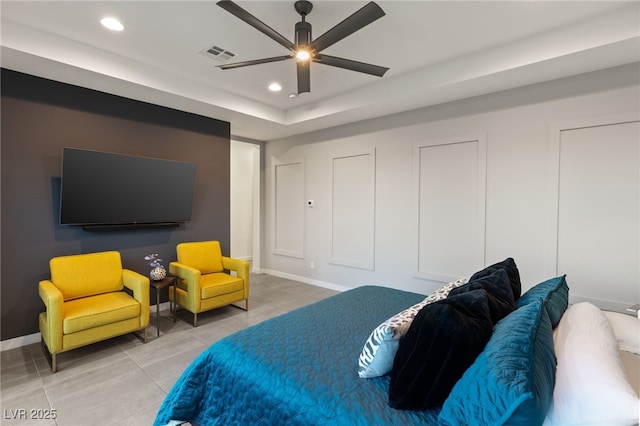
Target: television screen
x=100 y=188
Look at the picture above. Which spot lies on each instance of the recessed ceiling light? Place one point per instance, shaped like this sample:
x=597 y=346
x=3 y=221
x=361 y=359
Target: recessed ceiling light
x=112 y=24
x=275 y=87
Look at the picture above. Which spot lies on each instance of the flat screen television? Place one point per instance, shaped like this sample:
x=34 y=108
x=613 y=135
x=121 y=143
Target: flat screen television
x=101 y=189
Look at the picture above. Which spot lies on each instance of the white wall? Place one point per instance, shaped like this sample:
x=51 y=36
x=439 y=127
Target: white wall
x=509 y=178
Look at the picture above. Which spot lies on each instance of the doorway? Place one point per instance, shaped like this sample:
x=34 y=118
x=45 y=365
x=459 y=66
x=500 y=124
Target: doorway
x=245 y=203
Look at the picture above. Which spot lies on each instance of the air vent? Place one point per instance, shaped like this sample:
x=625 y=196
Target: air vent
x=217 y=53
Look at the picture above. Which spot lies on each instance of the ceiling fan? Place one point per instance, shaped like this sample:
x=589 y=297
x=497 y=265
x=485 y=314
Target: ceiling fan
x=305 y=49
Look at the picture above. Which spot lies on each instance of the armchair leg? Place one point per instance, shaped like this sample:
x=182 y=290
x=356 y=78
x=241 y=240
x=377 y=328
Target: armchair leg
x=141 y=336
x=195 y=320
x=239 y=306
x=51 y=358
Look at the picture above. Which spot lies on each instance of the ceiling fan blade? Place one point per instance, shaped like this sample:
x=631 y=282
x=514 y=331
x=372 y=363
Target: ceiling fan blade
x=358 y=20
x=239 y=12
x=254 y=62
x=348 y=64
x=304 y=76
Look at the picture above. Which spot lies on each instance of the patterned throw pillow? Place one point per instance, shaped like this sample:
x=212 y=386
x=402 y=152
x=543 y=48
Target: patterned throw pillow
x=376 y=358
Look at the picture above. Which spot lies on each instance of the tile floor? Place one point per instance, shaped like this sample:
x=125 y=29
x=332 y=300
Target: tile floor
x=122 y=381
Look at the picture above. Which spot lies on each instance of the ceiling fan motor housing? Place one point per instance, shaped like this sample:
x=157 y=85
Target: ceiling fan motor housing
x=303 y=29
x=303 y=34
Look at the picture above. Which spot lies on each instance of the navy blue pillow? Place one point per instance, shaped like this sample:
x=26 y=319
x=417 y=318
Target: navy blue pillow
x=508 y=265
x=443 y=340
x=497 y=284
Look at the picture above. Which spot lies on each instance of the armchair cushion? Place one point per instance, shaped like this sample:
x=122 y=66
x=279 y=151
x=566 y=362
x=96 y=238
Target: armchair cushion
x=206 y=256
x=213 y=285
x=87 y=274
x=94 y=311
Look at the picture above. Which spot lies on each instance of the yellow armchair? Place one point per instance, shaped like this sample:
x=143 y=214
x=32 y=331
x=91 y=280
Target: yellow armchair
x=203 y=283
x=85 y=302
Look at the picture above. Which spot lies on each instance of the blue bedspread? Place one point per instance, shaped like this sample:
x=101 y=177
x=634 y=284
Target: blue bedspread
x=297 y=369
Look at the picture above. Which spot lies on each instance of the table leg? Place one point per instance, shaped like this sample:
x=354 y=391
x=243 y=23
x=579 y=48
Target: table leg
x=172 y=303
x=158 y=311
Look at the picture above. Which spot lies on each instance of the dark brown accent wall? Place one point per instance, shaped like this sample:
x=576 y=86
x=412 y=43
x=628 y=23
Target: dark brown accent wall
x=39 y=117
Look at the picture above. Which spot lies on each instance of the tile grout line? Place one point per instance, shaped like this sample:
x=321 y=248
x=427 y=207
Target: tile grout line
x=44 y=387
x=146 y=374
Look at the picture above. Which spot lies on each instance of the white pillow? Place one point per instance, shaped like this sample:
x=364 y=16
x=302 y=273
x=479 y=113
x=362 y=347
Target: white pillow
x=626 y=329
x=591 y=385
x=376 y=358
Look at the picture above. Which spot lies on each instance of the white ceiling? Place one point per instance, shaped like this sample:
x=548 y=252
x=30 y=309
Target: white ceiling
x=437 y=51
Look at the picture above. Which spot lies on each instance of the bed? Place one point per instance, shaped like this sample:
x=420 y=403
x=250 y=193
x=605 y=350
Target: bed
x=304 y=367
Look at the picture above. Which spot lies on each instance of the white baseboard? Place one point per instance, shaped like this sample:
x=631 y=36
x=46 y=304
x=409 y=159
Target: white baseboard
x=306 y=280
x=29 y=339
x=35 y=337
x=163 y=306
x=20 y=341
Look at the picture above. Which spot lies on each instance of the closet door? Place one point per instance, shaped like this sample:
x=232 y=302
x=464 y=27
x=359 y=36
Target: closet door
x=598 y=244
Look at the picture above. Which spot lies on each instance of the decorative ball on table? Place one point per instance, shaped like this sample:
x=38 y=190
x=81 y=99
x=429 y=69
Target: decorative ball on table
x=158 y=272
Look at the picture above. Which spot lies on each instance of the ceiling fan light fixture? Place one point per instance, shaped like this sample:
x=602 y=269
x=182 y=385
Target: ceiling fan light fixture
x=303 y=55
